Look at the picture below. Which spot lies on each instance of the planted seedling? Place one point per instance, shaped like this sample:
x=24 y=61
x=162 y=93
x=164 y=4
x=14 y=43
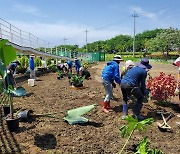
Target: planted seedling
x=132 y=125
x=60 y=74
x=144 y=148
x=77 y=81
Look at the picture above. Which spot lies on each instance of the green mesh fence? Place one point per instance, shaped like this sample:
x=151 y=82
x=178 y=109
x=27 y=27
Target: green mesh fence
x=88 y=56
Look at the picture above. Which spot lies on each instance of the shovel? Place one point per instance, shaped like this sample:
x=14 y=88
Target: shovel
x=164 y=125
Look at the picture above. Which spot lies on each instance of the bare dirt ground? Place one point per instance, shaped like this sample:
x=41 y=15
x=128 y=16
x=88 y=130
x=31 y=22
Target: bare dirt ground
x=99 y=136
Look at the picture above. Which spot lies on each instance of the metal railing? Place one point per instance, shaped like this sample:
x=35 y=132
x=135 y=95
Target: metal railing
x=24 y=39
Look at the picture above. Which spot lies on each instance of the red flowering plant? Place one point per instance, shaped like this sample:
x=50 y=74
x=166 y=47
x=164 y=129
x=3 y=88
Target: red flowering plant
x=162 y=87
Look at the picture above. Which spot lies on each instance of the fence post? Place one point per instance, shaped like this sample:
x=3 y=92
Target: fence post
x=11 y=35
x=30 y=39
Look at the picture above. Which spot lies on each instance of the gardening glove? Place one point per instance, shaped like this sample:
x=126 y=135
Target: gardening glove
x=113 y=85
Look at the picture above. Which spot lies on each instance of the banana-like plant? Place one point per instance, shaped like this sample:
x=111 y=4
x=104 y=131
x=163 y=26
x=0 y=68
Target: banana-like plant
x=132 y=125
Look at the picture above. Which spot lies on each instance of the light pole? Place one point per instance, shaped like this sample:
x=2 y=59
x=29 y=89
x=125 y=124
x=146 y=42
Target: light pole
x=134 y=15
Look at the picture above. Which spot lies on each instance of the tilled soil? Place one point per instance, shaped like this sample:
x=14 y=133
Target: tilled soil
x=100 y=135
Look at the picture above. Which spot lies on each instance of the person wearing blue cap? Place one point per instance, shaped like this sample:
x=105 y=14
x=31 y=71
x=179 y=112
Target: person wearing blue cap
x=134 y=83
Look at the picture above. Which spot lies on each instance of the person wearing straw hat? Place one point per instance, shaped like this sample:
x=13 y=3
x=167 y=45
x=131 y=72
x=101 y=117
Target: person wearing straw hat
x=109 y=74
x=134 y=83
x=32 y=67
x=177 y=91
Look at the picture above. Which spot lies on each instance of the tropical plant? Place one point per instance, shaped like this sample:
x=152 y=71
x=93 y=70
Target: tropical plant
x=162 y=87
x=48 y=60
x=132 y=125
x=77 y=81
x=37 y=62
x=144 y=148
x=7 y=55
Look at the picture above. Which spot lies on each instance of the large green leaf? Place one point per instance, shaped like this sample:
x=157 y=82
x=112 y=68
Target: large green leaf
x=80 y=111
x=143 y=146
x=20 y=91
x=75 y=120
x=134 y=124
x=7 y=52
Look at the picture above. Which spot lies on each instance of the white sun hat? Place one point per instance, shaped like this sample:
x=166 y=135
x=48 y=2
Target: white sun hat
x=129 y=63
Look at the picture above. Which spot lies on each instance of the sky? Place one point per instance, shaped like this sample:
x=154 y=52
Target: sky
x=66 y=21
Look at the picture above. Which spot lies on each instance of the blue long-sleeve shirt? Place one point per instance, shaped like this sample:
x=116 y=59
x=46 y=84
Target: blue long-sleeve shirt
x=31 y=63
x=77 y=65
x=69 y=63
x=136 y=76
x=111 y=72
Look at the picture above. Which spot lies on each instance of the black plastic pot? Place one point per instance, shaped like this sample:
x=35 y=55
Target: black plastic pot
x=58 y=77
x=12 y=124
x=6 y=110
x=24 y=115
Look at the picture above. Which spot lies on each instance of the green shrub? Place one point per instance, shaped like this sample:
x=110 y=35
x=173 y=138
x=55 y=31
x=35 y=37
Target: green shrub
x=48 y=60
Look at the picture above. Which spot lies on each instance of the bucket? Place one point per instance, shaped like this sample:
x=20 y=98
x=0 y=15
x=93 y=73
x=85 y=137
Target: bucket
x=30 y=82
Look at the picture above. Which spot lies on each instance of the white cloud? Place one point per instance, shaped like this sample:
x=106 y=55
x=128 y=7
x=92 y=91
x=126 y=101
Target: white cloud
x=28 y=9
x=75 y=34
x=139 y=10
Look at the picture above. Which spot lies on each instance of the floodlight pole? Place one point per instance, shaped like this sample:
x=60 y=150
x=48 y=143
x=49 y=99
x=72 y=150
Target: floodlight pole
x=134 y=15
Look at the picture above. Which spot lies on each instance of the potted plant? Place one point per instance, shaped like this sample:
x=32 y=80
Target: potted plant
x=7 y=55
x=76 y=81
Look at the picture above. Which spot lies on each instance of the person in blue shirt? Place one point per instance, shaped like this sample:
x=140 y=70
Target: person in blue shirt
x=134 y=83
x=32 y=67
x=69 y=62
x=110 y=74
x=9 y=79
x=77 y=64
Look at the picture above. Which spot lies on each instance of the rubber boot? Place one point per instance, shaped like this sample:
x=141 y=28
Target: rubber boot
x=108 y=106
x=104 y=107
x=125 y=110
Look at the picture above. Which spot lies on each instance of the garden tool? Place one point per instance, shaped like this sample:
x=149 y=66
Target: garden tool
x=164 y=125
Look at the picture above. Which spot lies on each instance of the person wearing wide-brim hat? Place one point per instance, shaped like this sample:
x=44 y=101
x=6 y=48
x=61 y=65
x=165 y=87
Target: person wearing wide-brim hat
x=110 y=74
x=134 y=83
x=32 y=67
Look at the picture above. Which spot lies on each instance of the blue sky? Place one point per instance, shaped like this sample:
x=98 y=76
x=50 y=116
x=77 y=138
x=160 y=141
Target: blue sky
x=52 y=20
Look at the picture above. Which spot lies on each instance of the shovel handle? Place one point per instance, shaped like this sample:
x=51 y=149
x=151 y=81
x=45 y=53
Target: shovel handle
x=165 y=120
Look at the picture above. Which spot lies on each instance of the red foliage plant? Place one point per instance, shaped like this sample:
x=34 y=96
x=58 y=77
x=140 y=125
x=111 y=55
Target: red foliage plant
x=162 y=87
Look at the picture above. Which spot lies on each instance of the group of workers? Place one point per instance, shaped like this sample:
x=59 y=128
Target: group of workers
x=64 y=67
x=11 y=69
x=81 y=71
x=132 y=82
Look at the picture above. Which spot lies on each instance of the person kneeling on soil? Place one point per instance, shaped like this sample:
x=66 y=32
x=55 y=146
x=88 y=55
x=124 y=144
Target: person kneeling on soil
x=134 y=83
x=109 y=74
x=84 y=72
